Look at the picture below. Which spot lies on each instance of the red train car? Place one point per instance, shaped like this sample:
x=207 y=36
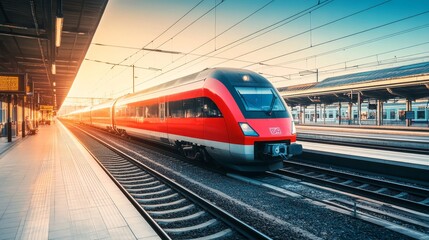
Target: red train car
x=233 y=116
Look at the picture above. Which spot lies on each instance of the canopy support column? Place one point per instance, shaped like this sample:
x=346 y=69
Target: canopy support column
x=379 y=112
x=408 y=107
x=339 y=113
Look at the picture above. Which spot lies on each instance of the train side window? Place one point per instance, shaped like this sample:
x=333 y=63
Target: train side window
x=175 y=109
x=199 y=104
x=131 y=111
x=152 y=111
x=189 y=108
x=210 y=109
x=140 y=111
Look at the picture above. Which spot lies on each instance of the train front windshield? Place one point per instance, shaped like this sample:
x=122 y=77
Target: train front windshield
x=260 y=99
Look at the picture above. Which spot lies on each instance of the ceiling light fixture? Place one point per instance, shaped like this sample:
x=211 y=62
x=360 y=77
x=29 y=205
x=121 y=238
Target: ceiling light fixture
x=54 y=68
x=59 y=23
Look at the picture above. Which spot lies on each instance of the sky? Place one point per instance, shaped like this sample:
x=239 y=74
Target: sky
x=287 y=41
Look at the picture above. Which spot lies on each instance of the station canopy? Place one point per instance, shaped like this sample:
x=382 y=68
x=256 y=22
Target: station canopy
x=33 y=42
x=408 y=82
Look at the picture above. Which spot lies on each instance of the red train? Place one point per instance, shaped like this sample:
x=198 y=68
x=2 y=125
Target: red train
x=233 y=116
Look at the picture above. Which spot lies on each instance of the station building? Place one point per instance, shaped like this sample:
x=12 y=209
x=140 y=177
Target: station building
x=397 y=96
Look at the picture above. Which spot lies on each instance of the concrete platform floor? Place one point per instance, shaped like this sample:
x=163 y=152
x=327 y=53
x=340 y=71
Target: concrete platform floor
x=51 y=188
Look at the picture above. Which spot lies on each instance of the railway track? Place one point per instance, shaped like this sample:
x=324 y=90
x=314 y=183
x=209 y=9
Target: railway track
x=412 y=224
x=406 y=196
x=171 y=209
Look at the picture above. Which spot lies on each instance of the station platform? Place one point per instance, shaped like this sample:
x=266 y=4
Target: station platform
x=371 y=129
x=420 y=161
x=411 y=139
x=51 y=188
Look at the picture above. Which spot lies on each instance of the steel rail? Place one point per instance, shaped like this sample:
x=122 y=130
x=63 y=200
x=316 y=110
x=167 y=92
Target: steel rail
x=363 y=185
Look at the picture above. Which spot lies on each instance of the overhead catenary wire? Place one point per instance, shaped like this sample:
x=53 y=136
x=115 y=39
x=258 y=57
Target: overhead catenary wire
x=340 y=38
x=186 y=27
x=355 y=45
x=272 y=27
x=153 y=40
x=312 y=29
x=166 y=30
x=319 y=44
x=395 y=60
x=281 y=65
x=228 y=29
x=290 y=61
x=167 y=71
x=269 y=64
x=312 y=8
x=342 y=18
x=261 y=32
x=374 y=55
x=183 y=29
x=254 y=12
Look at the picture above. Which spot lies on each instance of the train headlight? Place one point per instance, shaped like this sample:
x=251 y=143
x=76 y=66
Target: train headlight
x=248 y=130
x=293 y=128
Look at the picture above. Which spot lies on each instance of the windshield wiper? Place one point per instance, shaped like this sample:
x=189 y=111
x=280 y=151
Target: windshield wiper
x=270 y=111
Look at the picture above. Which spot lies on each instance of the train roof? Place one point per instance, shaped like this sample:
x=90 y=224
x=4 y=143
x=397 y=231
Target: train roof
x=225 y=75
x=228 y=76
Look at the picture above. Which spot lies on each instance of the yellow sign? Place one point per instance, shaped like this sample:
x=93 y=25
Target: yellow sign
x=46 y=108
x=9 y=83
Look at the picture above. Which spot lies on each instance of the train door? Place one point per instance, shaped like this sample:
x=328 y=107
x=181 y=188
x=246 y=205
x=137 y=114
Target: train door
x=215 y=131
x=112 y=115
x=162 y=111
x=162 y=126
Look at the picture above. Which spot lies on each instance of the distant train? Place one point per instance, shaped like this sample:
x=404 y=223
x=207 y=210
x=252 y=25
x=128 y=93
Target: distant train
x=393 y=114
x=232 y=116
